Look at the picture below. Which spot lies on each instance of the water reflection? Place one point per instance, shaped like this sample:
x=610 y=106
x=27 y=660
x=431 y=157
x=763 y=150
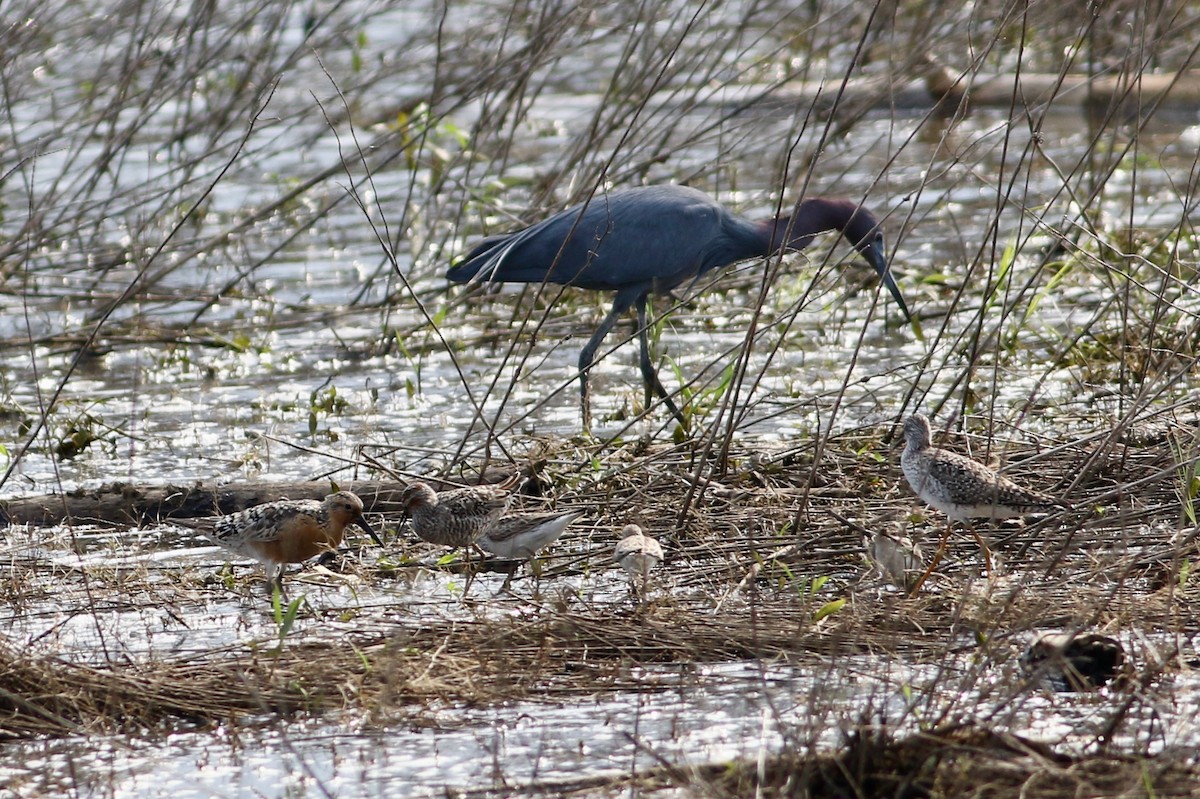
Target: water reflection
x=684 y=715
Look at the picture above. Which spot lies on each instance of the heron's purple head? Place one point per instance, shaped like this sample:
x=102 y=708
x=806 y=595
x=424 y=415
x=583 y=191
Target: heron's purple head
x=815 y=215
x=857 y=225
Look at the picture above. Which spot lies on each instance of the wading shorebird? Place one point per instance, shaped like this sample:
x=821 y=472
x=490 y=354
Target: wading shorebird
x=522 y=535
x=962 y=489
x=288 y=531
x=654 y=240
x=898 y=560
x=1076 y=662
x=637 y=553
x=455 y=518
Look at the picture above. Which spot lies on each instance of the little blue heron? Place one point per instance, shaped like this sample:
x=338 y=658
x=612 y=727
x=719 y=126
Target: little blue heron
x=651 y=240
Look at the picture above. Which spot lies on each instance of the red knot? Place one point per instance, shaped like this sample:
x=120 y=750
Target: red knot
x=962 y=489
x=455 y=518
x=521 y=535
x=288 y=531
x=637 y=553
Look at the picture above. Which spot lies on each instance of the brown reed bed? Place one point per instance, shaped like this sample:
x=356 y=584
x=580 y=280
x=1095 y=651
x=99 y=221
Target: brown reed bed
x=559 y=653
x=960 y=760
x=741 y=583
x=763 y=544
x=949 y=761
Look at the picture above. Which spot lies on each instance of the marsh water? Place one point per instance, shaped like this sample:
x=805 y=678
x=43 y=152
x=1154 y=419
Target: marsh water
x=285 y=377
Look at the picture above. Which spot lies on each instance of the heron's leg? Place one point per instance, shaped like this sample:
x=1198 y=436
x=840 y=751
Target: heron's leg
x=937 y=558
x=588 y=354
x=649 y=375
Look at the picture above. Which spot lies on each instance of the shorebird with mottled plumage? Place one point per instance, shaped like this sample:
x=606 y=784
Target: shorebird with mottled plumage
x=458 y=517
x=522 y=535
x=962 y=489
x=637 y=553
x=287 y=531
x=1077 y=662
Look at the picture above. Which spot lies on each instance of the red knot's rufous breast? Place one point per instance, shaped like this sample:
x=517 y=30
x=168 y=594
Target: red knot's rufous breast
x=458 y=517
x=287 y=531
x=637 y=553
x=522 y=535
x=962 y=489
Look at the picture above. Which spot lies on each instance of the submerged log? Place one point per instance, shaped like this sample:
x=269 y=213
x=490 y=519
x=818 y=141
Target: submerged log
x=130 y=505
x=932 y=84
x=1122 y=94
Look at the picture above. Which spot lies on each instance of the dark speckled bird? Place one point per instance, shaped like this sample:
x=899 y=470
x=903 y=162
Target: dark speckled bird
x=961 y=488
x=455 y=518
x=652 y=240
x=287 y=531
x=1079 y=662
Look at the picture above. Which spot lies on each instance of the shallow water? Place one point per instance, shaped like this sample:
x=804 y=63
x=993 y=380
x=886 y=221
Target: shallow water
x=685 y=715
x=183 y=412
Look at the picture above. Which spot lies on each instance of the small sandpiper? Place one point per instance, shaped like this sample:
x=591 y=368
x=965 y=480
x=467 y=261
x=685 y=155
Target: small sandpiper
x=962 y=489
x=455 y=518
x=637 y=553
x=898 y=560
x=286 y=531
x=522 y=535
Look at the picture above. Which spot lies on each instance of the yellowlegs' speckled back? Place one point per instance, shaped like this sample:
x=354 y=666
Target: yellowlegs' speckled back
x=521 y=535
x=287 y=531
x=455 y=518
x=961 y=488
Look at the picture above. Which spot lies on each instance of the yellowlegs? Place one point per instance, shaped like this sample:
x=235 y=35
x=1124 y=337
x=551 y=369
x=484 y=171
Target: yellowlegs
x=287 y=531
x=962 y=489
x=521 y=535
x=637 y=553
x=455 y=518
